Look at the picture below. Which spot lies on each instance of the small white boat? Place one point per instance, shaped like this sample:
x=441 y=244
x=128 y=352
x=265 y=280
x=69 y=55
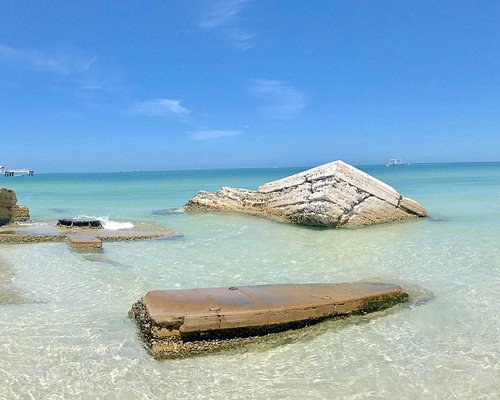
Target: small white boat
x=395 y=162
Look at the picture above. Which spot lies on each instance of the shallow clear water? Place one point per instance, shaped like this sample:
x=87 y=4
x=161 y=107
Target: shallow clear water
x=67 y=334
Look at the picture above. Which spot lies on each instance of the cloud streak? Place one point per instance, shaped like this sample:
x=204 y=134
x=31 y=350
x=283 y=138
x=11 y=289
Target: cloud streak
x=170 y=107
x=281 y=99
x=241 y=40
x=41 y=61
x=221 y=12
x=160 y=108
x=212 y=134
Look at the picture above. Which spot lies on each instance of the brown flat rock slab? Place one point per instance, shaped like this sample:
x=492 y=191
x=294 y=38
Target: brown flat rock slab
x=83 y=239
x=118 y=235
x=249 y=306
x=168 y=317
x=84 y=243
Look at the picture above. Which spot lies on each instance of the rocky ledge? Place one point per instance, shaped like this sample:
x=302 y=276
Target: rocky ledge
x=9 y=210
x=14 y=233
x=331 y=195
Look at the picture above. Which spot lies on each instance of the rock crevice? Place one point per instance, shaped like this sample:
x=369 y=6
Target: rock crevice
x=332 y=195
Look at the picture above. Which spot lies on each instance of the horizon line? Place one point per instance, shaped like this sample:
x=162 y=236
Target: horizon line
x=254 y=168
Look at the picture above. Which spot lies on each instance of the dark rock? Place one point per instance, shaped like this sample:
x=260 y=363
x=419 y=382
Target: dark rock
x=80 y=223
x=10 y=211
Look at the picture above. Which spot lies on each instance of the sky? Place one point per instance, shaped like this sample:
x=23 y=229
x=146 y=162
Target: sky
x=103 y=85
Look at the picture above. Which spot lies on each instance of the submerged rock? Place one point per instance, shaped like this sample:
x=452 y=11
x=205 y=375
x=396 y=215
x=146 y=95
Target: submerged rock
x=84 y=243
x=167 y=211
x=80 y=223
x=9 y=210
x=176 y=323
x=331 y=195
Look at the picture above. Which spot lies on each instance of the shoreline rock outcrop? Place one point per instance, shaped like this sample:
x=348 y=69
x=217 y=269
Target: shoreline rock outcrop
x=10 y=211
x=332 y=195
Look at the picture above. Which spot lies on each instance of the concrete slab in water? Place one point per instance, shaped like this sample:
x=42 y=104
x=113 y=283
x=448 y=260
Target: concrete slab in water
x=84 y=243
x=170 y=317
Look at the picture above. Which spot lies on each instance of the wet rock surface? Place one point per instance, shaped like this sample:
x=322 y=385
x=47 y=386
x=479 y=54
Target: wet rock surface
x=177 y=323
x=84 y=243
x=332 y=195
x=167 y=211
x=80 y=223
x=15 y=233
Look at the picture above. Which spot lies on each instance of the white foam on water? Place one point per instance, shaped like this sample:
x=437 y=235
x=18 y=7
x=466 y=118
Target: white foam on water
x=109 y=223
x=32 y=223
x=114 y=225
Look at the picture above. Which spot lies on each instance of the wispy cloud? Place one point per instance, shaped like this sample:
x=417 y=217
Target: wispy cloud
x=42 y=61
x=241 y=40
x=221 y=12
x=160 y=108
x=100 y=85
x=212 y=134
x=84 y=76
x=282 y=100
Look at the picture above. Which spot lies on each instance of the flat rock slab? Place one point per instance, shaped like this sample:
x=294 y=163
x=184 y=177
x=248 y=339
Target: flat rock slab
x=172 y=320
x=84 y=243
x=14 y=233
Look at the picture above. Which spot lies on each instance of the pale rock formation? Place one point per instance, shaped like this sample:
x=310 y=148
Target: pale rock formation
x=9 y=210
x=331 y=195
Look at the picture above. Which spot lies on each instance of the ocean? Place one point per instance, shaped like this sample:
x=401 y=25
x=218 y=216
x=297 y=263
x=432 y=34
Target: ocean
x=65 y=333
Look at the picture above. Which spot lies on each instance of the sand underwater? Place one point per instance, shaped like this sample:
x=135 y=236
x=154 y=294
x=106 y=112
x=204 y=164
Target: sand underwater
x=65 y=333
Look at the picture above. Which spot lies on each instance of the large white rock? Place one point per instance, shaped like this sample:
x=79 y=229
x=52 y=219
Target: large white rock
x=333 y=195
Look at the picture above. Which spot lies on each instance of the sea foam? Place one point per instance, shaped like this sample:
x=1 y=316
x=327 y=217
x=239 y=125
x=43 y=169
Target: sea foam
x=109 y=223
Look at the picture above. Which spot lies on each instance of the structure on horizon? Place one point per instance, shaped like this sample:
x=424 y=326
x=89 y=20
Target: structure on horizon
x=16 y=172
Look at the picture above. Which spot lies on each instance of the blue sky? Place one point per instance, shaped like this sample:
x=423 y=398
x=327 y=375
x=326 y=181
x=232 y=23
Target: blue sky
x=158 y=85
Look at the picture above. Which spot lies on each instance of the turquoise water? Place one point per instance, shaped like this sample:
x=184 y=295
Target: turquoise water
x=69 y=336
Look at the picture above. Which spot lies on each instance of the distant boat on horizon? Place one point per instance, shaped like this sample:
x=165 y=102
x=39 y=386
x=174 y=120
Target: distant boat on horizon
x=395 y=162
